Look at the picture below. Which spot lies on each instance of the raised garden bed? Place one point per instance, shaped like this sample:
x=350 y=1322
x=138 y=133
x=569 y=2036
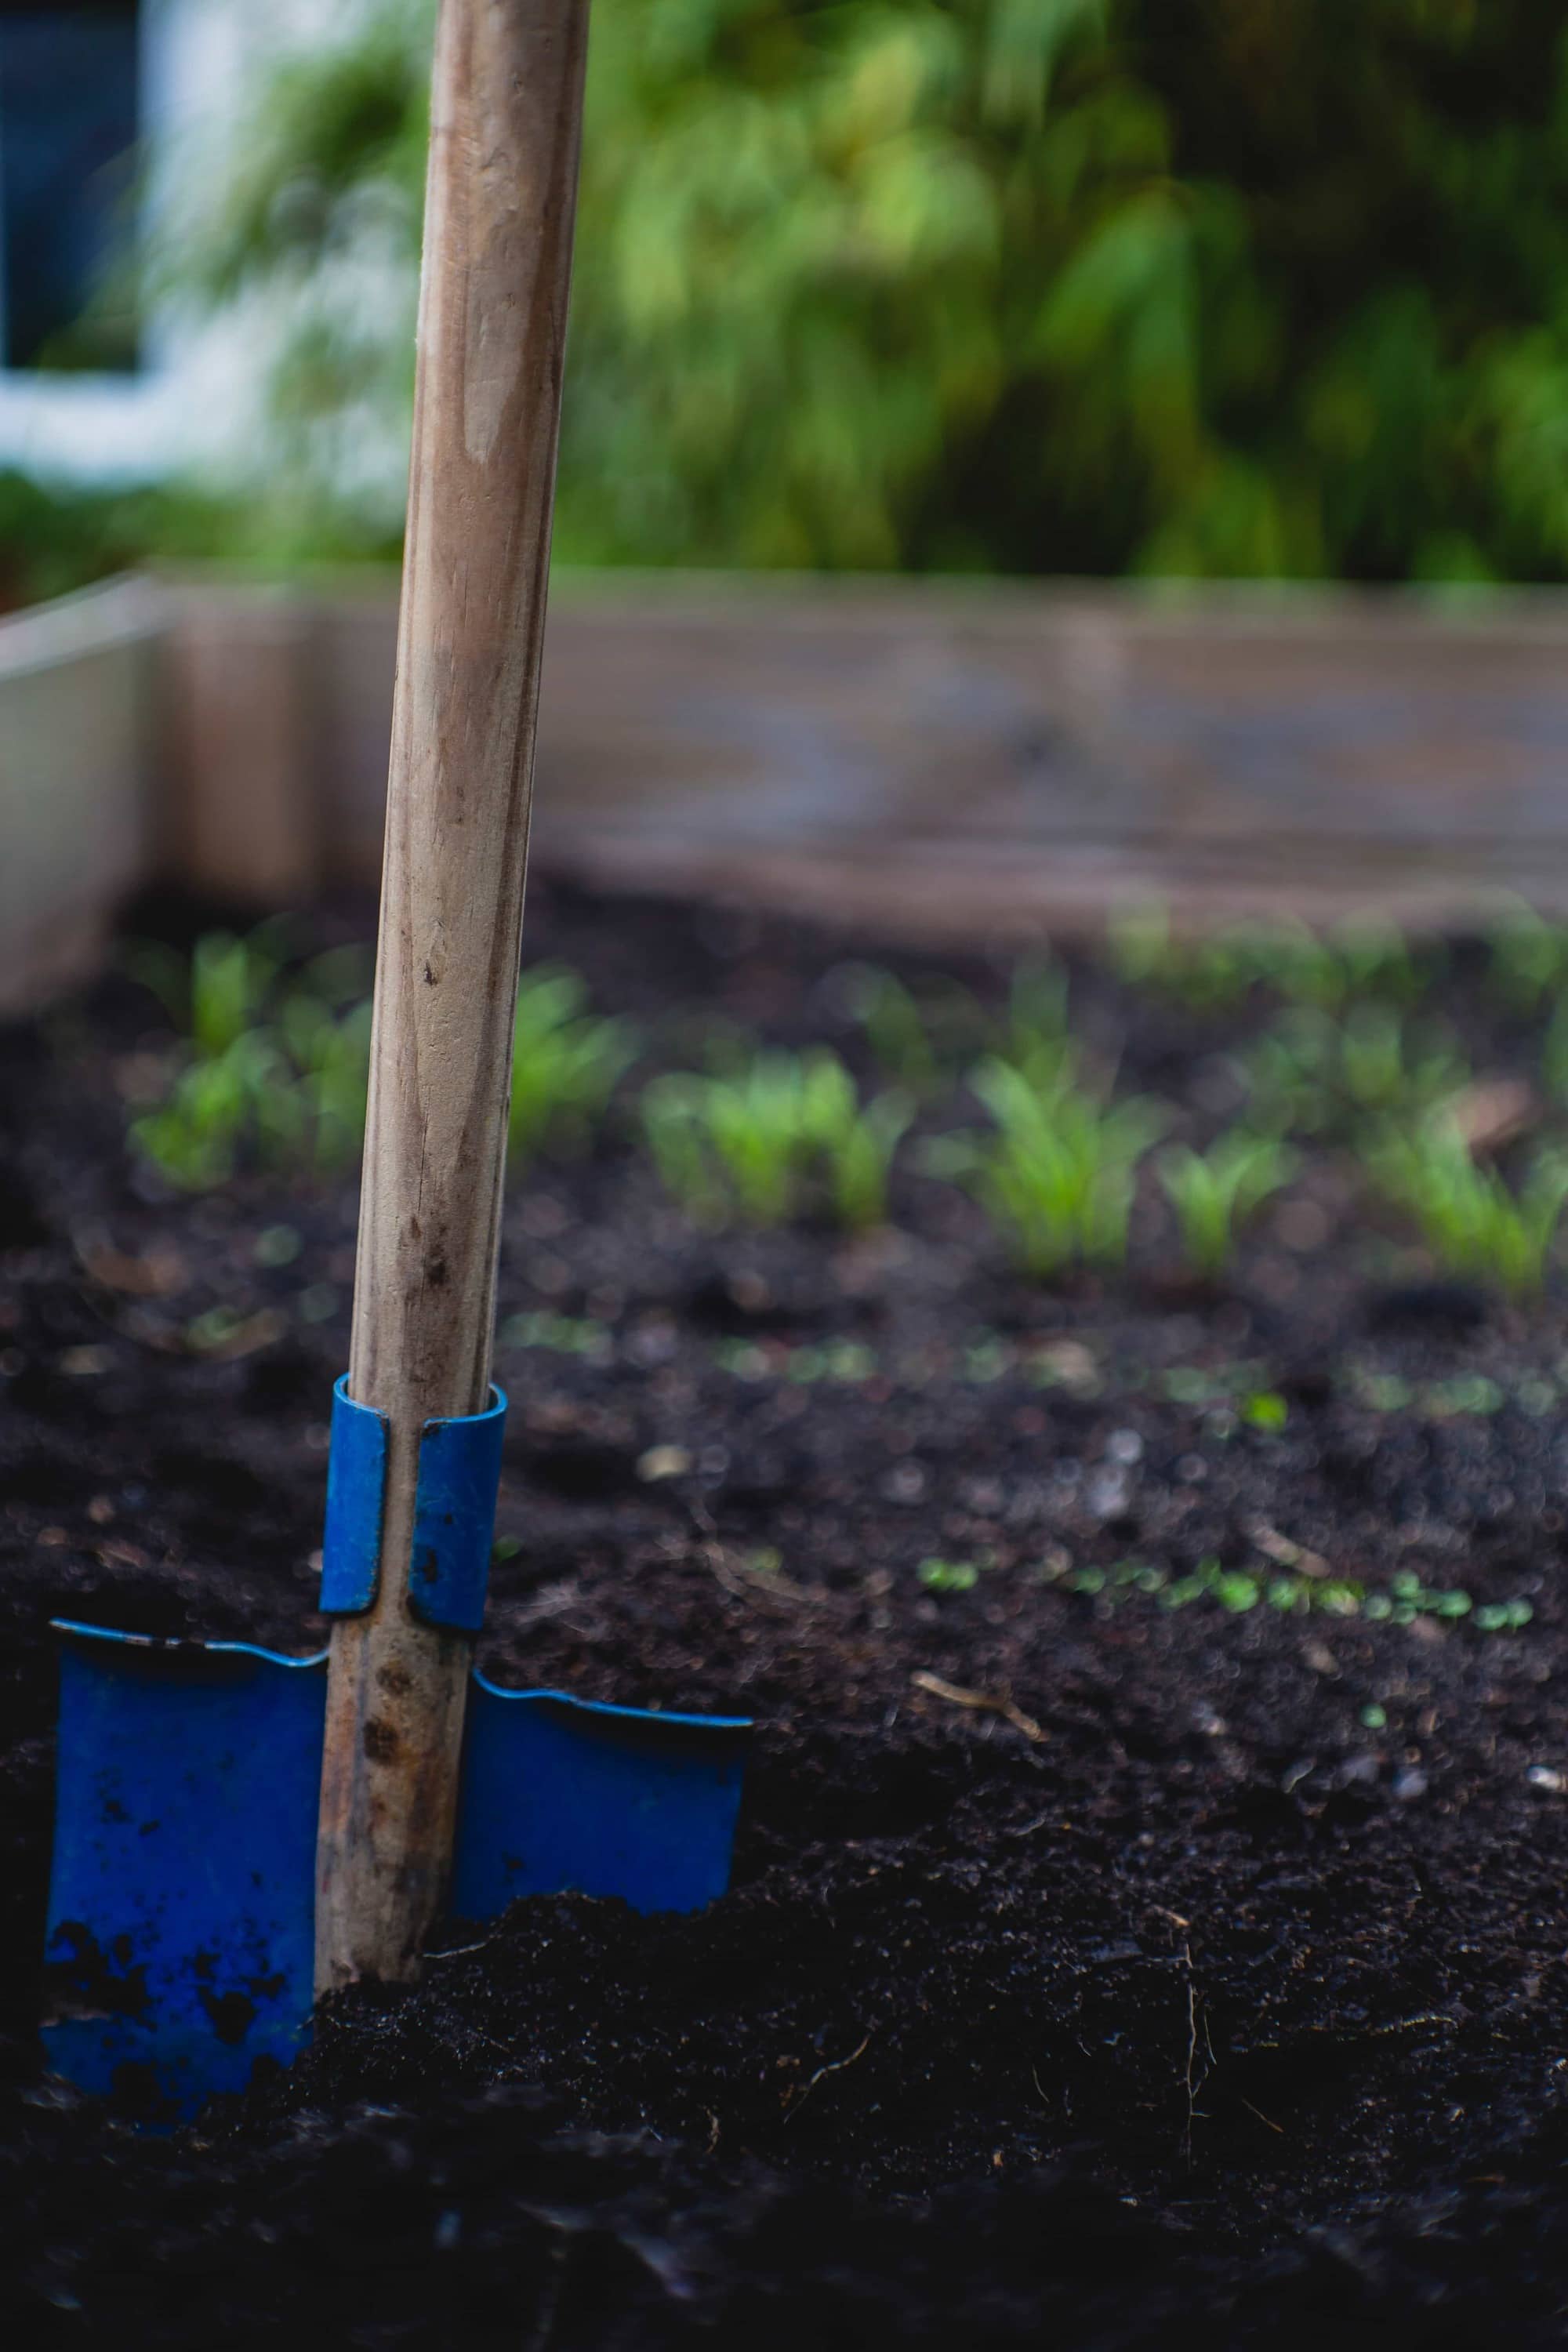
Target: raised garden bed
x=1149 y=1902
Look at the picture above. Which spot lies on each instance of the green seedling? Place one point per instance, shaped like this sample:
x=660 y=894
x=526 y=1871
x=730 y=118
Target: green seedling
x=1312 y=1073
x=1057 y=1172
x=220 y=994
x=565 y=1065
x=896 y=1029
x=1215 y=972
x=238 y=1094
x=859 y=1155
x=1239 y=1590
x=1210 y=972
x=213 y=1108
x=1037 y=1040
x=1214 y=1194
x=1357 y=961
x=1470 y=1220
x=563 y=1335
x=1265 y=1410
x=757 y=1146
x=1554 y=1053
x=1529 y=959
x=949 y=1575
x=275 y=1070
x=331 y=1057
x=919 y=1041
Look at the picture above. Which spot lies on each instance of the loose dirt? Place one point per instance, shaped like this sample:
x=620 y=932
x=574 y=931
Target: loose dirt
x=1092 y=1964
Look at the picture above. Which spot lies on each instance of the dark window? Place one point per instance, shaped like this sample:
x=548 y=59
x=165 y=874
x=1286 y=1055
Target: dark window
x=69 y=101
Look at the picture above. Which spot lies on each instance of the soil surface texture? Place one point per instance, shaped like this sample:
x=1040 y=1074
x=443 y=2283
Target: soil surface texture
x=1128 y=1932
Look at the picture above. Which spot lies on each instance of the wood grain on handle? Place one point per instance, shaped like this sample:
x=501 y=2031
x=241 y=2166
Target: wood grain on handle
x=505 y=118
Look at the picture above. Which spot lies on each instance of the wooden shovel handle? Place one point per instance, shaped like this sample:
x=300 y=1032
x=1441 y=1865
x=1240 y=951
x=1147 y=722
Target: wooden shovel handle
x=506 y=115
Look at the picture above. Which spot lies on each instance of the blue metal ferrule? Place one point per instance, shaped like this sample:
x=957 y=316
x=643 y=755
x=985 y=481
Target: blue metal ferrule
x=454 y=1512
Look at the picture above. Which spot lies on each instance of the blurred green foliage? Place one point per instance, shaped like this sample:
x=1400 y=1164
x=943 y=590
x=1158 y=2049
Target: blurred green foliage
x=55 y=537
x=1236 y=287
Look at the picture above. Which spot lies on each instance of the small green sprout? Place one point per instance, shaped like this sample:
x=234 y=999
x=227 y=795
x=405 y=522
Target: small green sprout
x=330 y=1055
x=1465 y=1392
x=949 y=1575
x=1239 y=1590
x=1361 y=959
x=213 y=1106
x=274 y=1067
x=896 y=1028
x=1529 y=958
x=1210 y=972
x=563 y=1335
x=1503 y=1616
x=565 y=1064
x=1036 y=1039
x=1470 y=1220
x=756 y=1145
x=1312 y=1072
x=859 y=1146
x=1057 y=1172
x=1214 y=1194
x=1265 y=1410
x=220 y=994
x=1215 y=972
x=1554 y=1052
x=848 y=1361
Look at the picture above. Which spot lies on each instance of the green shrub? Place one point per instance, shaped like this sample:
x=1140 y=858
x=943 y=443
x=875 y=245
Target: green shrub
x=1032 y=285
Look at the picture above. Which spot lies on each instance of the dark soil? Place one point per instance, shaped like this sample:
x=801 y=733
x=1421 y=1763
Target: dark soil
x=1214 y=1969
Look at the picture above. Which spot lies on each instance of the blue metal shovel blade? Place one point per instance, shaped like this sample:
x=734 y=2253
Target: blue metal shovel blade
x=181 y=1901
x=563 y=1795
x=181 y=1896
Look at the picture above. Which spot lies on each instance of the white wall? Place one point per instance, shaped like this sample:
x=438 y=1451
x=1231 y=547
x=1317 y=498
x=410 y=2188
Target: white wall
x=196 y=397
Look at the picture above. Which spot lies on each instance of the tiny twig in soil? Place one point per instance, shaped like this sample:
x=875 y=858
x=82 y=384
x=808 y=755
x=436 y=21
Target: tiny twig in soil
x=811 y=2082
x=987 y=1702
x=1189 y=2073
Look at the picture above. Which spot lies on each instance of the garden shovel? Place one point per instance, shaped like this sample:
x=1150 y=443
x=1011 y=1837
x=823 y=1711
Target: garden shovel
x=238 y=1833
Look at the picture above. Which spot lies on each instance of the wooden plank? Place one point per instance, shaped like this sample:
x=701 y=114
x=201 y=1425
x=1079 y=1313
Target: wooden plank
x=243 y=821
x=78 y=714
x=964 y=758
x=941 y=757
